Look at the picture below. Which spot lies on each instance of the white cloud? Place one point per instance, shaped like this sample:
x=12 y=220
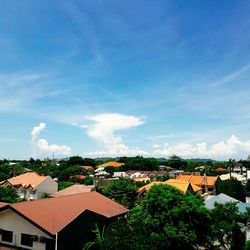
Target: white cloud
x=44 y=146
x=37 y=130
x=223 y=150
x=104 y=127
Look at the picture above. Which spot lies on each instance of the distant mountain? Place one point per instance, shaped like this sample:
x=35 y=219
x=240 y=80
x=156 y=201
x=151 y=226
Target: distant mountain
x=201 y=160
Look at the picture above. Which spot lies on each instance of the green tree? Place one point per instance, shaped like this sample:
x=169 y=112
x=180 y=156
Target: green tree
x=8 y=194
x=226 y=229
x=165 y=219
x=176 y=162
x=123 y=191
x=232 y=187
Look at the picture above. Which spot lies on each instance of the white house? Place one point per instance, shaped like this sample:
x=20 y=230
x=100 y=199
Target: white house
x=60 y=223
x=32 y=186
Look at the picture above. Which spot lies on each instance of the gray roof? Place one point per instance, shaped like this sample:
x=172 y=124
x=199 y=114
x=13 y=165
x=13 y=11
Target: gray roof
x=222 y=199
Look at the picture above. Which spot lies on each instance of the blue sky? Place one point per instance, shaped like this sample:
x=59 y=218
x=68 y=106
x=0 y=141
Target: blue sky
x=107 y=78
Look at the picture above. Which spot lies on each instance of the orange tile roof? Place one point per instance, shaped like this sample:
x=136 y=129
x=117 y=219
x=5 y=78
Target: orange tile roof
x=111 y=164
x=199 y=180
x=28 y=179
x=182 y=185
x=148 y=186
x=53 y=214
x=74 y=189
x=179 y=184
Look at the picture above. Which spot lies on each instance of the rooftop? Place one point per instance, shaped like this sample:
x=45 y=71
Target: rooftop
x=32 y=179
x=74 y=189
x=53 y=214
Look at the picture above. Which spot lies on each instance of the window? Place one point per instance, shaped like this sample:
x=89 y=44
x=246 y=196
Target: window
x=7 y=235
x=27 y=240
x=33 y=191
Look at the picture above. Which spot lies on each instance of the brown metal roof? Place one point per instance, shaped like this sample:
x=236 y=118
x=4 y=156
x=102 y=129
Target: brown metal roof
x=53 y=214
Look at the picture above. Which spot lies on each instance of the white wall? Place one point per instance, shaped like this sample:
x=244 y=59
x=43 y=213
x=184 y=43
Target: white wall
x=48 y=186
x=11 y=221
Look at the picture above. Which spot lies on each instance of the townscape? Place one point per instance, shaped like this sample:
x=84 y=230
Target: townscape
x=126 y=202
x=124 y=125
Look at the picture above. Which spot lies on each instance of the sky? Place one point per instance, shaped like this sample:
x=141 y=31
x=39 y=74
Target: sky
x=114 y=78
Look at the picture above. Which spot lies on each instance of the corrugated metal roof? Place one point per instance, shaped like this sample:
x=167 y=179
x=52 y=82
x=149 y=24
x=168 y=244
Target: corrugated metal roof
x=222 y=199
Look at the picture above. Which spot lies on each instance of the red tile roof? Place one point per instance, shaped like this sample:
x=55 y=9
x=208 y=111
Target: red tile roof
x=220 y=169
x=3 y=204
x=32 y=179
x=54 y=214
x=74 y=189
x=87 y=167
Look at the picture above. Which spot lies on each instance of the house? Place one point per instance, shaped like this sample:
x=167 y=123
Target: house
x=74 y=189
x=120 y=175
x=222 y=199
x=31 y=185
x=183 y=186
x=207 y=183
x=56 y=223
x=238 y=177
x=152 y=175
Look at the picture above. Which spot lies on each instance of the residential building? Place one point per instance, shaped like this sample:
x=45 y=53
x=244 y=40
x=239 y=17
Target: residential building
x=31 y=185
x=152 y=175
x=183 y=186
x=60 y=223
x=207 y=183
x=238 y=177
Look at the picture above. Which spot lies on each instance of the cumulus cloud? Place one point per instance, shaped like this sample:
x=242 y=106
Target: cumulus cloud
x=44 y=146
x=37 y=130
x=104 y=127
x=231 y=148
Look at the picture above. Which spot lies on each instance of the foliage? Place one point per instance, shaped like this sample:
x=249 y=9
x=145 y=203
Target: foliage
x=8 y=194
x=225 y=227
x=165 y=219
x=247 y=245
x=64 y=184
x=175 y=161
x=79 y=161
x=99 y=242
x=248 y=186
x=8 y=170
x=123 y=191
x=231 y=187
x=168 y=215
x=140 y=163
x=87 y=181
